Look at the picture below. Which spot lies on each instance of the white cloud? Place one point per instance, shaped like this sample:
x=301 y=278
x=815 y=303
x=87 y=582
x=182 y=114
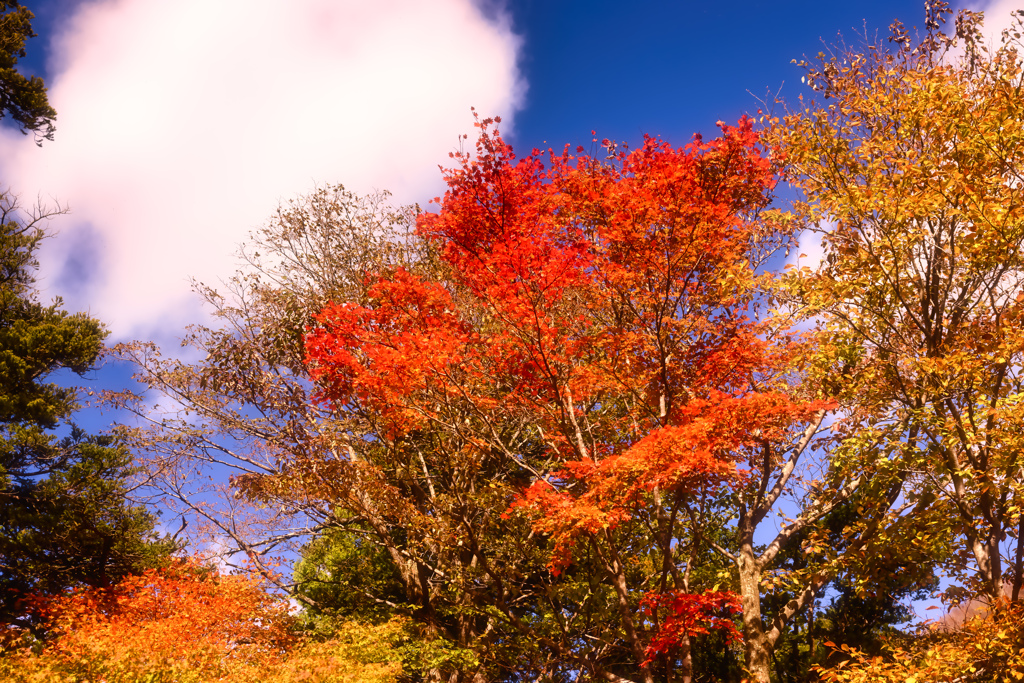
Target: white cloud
x=810 y=251
x=998 y=16
x=182 y=125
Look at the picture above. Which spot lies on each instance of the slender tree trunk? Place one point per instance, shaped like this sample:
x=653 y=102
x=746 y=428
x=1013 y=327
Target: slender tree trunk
x=666 y=522
x=616 y=572
x=995 y=564
x=1018 y=562
x=758 y=647
x=986 y=554
x=685 y=660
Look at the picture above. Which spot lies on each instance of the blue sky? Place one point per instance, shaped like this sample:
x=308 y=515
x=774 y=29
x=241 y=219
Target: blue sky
x=181 y=126
x=671 y=68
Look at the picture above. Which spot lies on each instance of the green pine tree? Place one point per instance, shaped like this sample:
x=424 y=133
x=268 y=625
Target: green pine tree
x=23 y=98
x=64 y=515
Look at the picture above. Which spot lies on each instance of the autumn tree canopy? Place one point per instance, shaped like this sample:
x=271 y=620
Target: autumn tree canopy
x=912 y=171
x=580 y=421
x=186 y=622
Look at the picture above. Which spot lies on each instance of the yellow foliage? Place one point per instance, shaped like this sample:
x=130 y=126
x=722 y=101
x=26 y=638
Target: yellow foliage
x=990 y=647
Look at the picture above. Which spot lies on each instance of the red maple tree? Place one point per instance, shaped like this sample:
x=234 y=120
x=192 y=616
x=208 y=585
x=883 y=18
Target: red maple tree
x=602 y=304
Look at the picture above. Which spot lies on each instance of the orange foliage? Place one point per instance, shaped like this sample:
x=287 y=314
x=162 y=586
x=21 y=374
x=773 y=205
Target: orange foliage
x=178 y=619
x=701 y=451
x=182 y=623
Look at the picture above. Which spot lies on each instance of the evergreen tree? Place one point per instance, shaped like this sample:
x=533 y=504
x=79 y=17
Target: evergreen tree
x=23 y=98
x=64 y=517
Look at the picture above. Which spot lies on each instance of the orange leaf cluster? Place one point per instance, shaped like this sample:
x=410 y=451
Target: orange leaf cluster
x=181 y=618
x=187 y=624
x=702 y=451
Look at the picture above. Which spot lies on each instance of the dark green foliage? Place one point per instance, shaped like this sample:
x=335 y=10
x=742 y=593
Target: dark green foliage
x=64 y=518
x=22 y=98
x=36 y=341
x=715 y=661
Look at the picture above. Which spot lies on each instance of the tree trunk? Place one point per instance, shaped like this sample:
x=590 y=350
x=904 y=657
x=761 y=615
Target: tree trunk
x=1018 y=562
x=756 y=642
x=685 y=660
x=987 y=555
x=616 y=572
